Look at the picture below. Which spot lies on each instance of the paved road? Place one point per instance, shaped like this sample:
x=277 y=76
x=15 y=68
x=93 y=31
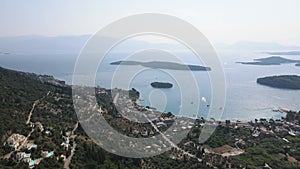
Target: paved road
x=33 y=106
x=116 y=98
x=68 y=160
x=169 y=141
x=30 y=113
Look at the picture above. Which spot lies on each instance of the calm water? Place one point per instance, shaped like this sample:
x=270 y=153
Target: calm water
x=245 y=99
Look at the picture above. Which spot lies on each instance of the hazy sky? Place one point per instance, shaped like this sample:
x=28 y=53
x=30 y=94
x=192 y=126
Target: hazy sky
x=220 y=20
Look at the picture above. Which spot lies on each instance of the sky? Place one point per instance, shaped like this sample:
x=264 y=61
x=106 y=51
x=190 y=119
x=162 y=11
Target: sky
x=225 y=21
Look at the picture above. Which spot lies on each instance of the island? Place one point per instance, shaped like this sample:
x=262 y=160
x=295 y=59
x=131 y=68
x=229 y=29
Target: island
x=281 y=82
x=274 y=60
x=163 y=65
x=161 y=85
x=4 y=53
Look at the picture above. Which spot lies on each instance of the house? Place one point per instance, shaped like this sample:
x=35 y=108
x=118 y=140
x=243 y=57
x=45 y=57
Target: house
x=135 y=132
x=151 y=133
x=31 y=163
x=278 y=122
x=30 y=146
x=50 y=154
x=27 y=155
x=286 y=140
x=20 y=156
x=161 y=124
x=245 y=125
x=47 y=132
x=39 y=126
x=292 y=133
x=266 y=166
x=241 y=144
x=15 y=140
x=145 y=133
x=101 y=91
x=255 y=133
x=66 y=142
x=168 y=121
x=65 y=145
x=46 y=154
x=31 y=124
x=63 y=157
x=27 y=160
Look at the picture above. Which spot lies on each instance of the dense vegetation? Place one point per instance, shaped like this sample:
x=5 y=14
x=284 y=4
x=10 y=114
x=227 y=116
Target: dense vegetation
x=18 y=91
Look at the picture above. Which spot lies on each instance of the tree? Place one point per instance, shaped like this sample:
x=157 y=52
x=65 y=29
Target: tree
x=227 y=122
x=109 y=165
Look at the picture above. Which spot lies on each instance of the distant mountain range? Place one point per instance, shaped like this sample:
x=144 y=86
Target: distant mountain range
x=285 y=53
x=42 y=44
x=259 y=46
x=73 y=44
x=63 y=44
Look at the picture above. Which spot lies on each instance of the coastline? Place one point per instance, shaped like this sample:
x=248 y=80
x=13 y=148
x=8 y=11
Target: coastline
x=277 y=116
x=281 y=109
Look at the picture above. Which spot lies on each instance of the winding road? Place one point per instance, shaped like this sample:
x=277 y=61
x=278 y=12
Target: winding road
x=68 y=160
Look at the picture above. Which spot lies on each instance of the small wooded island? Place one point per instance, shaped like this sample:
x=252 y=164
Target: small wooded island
x=163 y=65
x=161 y=85
x=274 y=60
x=281 y=82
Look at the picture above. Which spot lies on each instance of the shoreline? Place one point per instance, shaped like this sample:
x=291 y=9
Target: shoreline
x=57 y=80
x=138 y=106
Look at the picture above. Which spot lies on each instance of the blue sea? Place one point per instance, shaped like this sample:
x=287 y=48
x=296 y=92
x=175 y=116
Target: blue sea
x=245 y=99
